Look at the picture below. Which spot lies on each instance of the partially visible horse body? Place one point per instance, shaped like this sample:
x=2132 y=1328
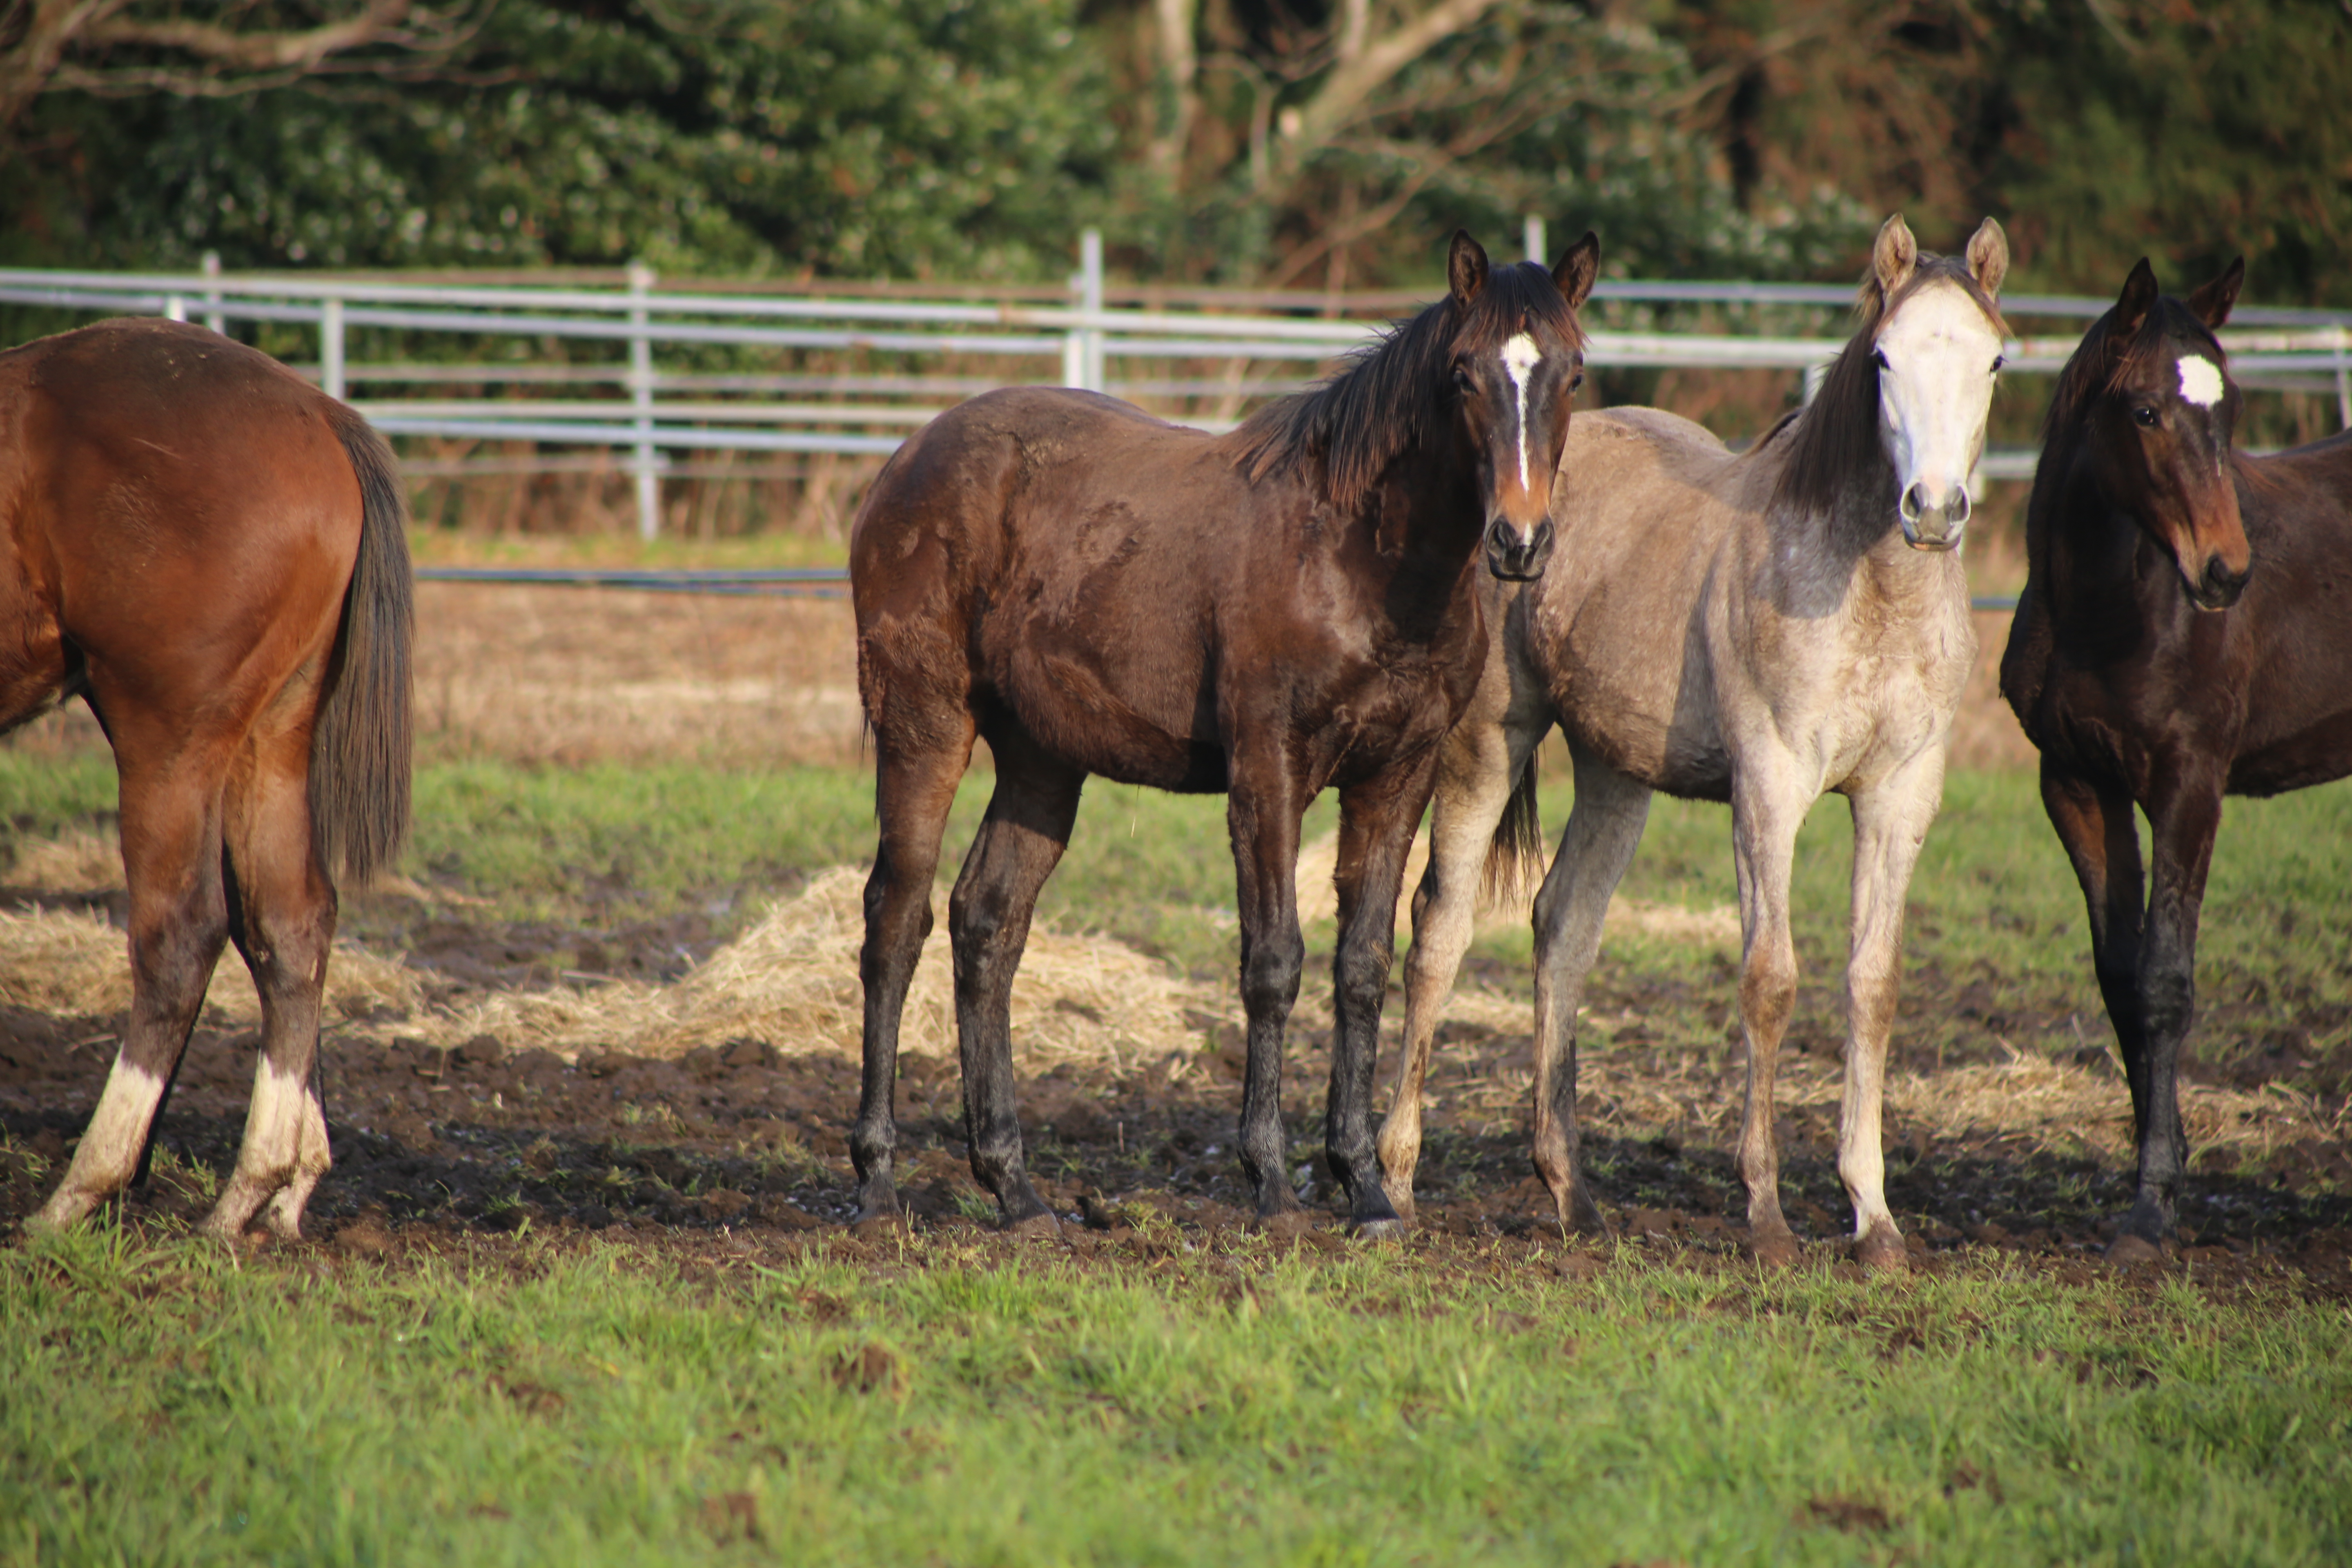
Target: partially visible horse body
x=1757 y=628
x=1271 y=612
x=2185 y=632
x=210 y=551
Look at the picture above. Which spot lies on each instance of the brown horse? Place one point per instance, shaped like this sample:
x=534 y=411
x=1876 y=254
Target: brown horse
x=2185 y=632
x=210 y=552
x=1269 y=613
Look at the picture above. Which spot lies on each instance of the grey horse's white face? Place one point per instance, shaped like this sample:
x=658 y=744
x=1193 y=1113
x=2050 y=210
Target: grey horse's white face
x=1937 y=358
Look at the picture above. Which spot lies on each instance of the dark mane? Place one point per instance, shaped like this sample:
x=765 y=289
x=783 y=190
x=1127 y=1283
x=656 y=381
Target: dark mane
x=1397 y=390
x=2088 y=372
x=1833 y=441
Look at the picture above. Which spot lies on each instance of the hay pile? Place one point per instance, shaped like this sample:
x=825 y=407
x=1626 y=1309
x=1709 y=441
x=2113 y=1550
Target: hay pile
x=77 y=861
x=792 y=980
x=71 y=965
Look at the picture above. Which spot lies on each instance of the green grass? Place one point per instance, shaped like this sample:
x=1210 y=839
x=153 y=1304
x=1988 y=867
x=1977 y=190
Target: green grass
x=162 y=1405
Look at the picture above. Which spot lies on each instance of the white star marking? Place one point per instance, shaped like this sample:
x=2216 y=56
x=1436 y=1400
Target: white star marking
x=2201 y=380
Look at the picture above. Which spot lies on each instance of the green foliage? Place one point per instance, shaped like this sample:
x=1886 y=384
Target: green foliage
x=2192 y=134
x=585 y=1404
x=742 y=136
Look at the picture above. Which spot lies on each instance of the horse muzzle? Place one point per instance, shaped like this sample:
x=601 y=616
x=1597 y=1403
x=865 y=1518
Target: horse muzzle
x=1515 y=561
x=2217 y=587
x=1929 y=525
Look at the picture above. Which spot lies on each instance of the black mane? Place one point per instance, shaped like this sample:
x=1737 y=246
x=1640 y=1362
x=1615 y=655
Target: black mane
x=1398 y=389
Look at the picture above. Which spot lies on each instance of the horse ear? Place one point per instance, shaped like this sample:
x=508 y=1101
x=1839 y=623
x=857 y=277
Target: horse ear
x=2133 y=305
x=2213 y=303
x=1989 y=257
x=1578 y=268
x=1465 y=267
x=1894 y=255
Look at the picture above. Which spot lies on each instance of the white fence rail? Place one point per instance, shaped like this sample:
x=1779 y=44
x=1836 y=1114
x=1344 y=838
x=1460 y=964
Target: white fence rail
x=1073 y=344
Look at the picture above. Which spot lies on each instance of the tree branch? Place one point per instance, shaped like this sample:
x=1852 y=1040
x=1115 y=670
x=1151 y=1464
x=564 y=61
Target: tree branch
x=252 y=51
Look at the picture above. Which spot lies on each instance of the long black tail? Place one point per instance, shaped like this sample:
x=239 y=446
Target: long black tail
x=1514 y=859
x=361 y=740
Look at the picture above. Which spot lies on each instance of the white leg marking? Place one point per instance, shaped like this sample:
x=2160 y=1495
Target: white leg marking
x=2201 y=380
x=1521 y=356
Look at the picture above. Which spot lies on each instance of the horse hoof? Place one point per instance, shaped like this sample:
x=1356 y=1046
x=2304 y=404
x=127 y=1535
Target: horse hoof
x=1882 y=1252
x=2127 y=1250
x=1038 y=1226
x=1773 y=1249
x=1389 y=1228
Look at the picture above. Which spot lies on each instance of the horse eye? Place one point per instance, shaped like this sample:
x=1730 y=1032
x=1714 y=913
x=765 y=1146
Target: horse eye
x=1461 y=379
x=1998 y=361
x=1576 y=382
x=2145 y=417
x=1878 y=358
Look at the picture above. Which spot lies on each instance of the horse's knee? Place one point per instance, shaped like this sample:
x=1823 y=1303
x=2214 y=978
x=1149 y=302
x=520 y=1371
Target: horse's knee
x=1270 y=972
x=1360 y=974
x=1768 y=991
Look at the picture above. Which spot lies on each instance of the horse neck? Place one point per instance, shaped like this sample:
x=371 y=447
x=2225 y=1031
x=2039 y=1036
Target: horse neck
x=1855 y=535
x=2078 y=542
x=1425 y=513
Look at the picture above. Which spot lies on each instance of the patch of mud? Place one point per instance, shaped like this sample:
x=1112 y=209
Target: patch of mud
x=744 y=1139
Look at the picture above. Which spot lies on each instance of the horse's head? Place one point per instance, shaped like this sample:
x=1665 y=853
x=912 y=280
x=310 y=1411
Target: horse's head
x=2158 y=428
x=1937 y=350
x=1518 y=358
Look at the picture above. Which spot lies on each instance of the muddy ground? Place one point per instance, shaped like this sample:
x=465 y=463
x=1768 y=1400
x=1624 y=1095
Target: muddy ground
x=748 y=1141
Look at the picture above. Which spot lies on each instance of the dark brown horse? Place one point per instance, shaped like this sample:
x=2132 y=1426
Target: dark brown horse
x=2185 y=632
x=1271 y=612
x=210 y=552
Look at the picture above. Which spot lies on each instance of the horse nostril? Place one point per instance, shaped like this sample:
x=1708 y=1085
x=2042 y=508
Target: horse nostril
x=1957 y=512
x=1914 y=500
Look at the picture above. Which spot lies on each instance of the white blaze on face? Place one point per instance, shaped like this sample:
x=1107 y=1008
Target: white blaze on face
x=1520 y=357
x=2200 y=381
x=1936 y=393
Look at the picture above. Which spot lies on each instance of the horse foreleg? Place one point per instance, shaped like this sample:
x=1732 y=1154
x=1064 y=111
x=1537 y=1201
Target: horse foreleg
x=1263 y=809
x=1477 y=765
x=1604 y=828
x=1376 y=819
x=1890 y=823
x=1019 y=843
x=179 y=922
x=914 y=786
x=1767 y=809
x=282 y=918
x=2095 y=825
x=2183 y=820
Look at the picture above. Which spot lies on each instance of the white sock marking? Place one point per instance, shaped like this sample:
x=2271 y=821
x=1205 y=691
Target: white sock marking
x=1521 y=356
x=2201 y=380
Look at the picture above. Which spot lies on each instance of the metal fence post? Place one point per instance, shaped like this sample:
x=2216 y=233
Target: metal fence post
x=641 y=396
x=213 y=318
x=331 y=346
x=1090 y=272
x=175 y=306
x=1531 y=231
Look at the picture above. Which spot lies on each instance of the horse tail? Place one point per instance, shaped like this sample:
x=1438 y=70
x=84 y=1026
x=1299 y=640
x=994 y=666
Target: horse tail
x=362 y=738
x=1514 y=858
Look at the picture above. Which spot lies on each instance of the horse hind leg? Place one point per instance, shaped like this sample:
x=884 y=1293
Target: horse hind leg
x=914 y=786
x=179 y=922
x=283 y=913
x=1021 y=841
x=1890 y=825
x=1605 y=829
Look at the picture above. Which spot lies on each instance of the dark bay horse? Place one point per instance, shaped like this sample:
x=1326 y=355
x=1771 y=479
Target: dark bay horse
x=2185 y=632
x=1269 y=613
x=210 y=552
x=1755 y=628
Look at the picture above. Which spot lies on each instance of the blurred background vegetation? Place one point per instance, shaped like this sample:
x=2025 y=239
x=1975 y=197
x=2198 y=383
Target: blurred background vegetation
x=1323 y=144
